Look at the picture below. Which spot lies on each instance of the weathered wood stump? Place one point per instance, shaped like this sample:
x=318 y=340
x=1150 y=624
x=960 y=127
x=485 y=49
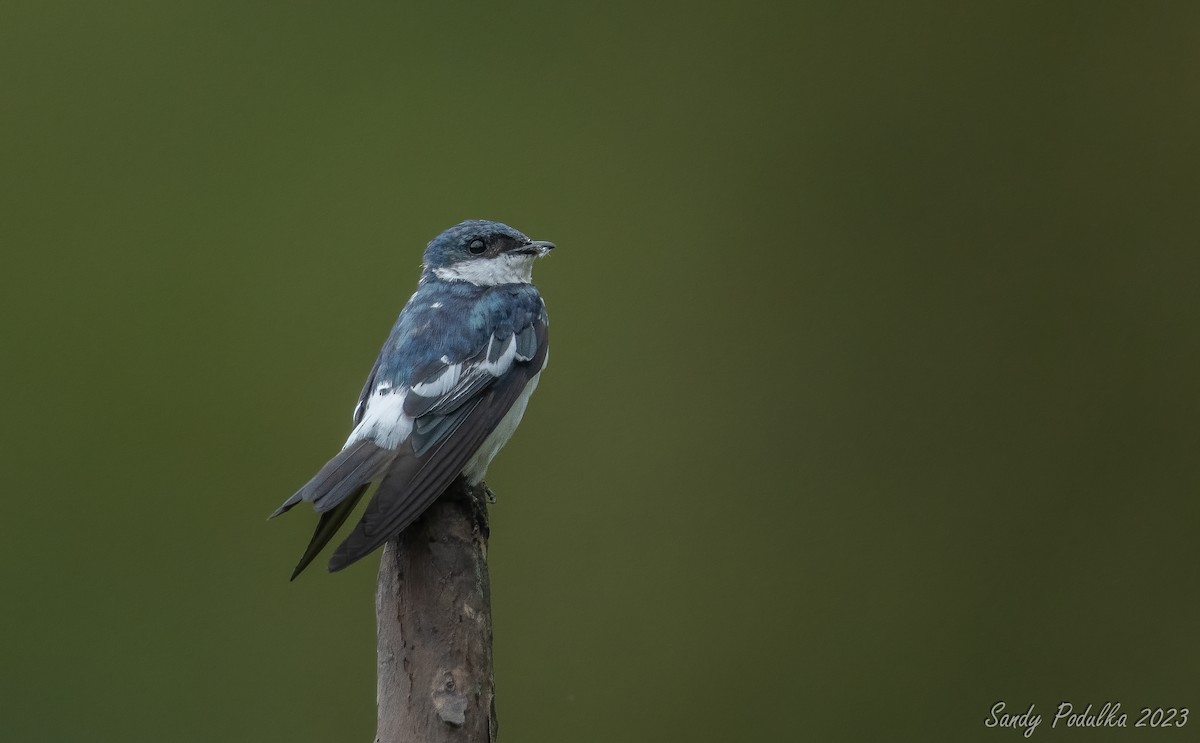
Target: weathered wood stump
x=433 y=608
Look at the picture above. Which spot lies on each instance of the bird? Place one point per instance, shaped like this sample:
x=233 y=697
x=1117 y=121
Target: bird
x=448 y=389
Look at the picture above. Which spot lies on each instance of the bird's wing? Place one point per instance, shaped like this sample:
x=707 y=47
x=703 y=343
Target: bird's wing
x=447 y=416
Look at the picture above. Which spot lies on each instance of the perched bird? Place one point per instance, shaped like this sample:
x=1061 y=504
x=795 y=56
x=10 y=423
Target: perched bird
x=447 y=391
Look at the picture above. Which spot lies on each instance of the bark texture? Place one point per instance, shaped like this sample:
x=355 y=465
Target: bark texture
x=433 y=608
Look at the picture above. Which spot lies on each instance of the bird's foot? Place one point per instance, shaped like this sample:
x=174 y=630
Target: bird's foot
x=487 y=493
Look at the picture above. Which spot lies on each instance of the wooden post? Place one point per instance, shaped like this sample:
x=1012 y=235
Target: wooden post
x=434 y=615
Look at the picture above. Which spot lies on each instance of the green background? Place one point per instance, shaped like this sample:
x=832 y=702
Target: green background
x=873 y=397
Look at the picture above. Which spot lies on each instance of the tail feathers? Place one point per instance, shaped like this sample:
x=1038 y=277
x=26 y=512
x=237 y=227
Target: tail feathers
x=410 y=486
x=359 y=462
x=287 y=504
x=327 y=526
x=394 y=494
x=336 y=489
x=367 y=465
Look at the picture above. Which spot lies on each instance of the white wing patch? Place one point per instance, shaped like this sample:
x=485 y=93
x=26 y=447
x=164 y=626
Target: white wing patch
x=441 y=384
x=504 y=356
x=384 y=421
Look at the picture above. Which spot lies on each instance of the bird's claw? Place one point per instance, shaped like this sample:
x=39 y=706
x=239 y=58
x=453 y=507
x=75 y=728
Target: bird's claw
x=487 y=493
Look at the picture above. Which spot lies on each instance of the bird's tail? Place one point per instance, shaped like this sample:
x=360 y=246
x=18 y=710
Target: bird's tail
x=335 y=490
x=327 y=526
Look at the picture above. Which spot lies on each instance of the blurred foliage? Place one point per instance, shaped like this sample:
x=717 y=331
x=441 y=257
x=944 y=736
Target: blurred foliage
x=873 y=392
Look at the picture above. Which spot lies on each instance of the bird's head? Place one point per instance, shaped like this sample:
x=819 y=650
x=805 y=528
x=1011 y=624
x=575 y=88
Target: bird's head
x=483 y=253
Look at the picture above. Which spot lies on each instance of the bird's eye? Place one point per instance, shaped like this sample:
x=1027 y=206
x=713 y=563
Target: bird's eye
x=477 y=247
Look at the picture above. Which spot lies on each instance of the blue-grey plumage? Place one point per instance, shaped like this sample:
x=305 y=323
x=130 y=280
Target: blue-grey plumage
x=448 y=389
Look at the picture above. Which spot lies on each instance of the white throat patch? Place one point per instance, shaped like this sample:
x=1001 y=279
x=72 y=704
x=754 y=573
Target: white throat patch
x=508 y=268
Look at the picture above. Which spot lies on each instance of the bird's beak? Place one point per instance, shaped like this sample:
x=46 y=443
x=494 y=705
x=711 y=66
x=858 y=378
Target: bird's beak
x=535 y=247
